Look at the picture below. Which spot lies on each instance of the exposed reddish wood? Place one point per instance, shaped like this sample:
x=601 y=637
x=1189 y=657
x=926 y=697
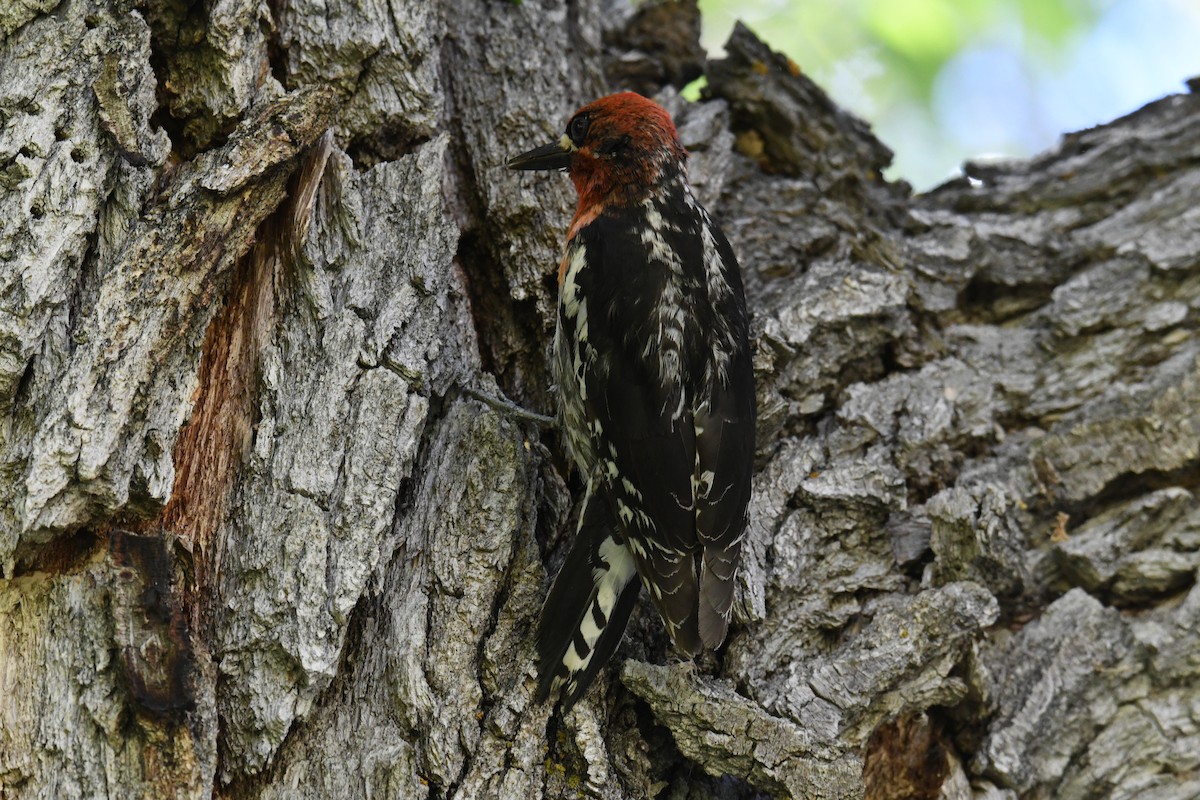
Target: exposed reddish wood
x=213 y=444
x=906 y=760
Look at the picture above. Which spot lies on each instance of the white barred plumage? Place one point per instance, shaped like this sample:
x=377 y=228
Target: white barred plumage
x=656 y=395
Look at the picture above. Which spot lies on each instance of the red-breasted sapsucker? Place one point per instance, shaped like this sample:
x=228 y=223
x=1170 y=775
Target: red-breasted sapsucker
x=656 y=394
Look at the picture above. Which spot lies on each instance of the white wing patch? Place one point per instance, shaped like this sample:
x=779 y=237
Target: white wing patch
x=719 y=293
x=571 y=351
x=570 y=289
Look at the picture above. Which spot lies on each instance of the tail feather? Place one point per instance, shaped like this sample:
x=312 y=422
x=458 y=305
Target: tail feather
x=576 y=683
x=675 y=593
x=716 y=595
x=585 y=614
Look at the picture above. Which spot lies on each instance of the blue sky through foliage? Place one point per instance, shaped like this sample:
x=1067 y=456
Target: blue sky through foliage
x=943 y=81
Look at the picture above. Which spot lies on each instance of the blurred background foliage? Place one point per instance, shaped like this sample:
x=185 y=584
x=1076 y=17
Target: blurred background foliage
x=944 y=81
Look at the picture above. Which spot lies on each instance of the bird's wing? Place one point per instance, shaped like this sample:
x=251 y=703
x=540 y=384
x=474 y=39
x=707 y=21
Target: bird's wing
x=724 y=421
x=642 y=422
x=585 y=613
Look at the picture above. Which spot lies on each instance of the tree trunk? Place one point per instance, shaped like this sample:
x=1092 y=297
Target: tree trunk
x=258 y=538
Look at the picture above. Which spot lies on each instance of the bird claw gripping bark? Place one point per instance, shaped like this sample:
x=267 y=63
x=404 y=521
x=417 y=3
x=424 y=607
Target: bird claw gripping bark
x=655 y=394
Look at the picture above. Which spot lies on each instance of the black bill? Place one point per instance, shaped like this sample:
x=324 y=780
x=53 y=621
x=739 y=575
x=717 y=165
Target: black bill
x=550 y=156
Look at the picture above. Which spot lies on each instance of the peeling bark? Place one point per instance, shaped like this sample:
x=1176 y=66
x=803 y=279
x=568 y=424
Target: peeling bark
x=257 y=541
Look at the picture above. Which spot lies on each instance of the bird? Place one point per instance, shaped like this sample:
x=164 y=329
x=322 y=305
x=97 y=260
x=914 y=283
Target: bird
x=655 y=392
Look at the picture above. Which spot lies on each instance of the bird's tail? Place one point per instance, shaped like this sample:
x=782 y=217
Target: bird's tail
x=585 y=614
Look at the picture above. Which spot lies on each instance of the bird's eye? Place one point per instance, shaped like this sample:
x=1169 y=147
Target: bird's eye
x=577 y=129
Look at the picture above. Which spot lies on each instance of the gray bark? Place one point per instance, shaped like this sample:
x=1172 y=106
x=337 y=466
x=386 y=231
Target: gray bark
x=258 y=540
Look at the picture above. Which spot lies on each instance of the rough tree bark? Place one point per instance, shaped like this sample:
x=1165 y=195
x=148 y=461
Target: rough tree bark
x=257 y=541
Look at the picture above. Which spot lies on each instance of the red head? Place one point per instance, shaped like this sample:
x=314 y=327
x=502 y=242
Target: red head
x=616 y=149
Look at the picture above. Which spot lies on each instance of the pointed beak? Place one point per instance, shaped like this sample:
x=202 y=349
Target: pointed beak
x=550 y=156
